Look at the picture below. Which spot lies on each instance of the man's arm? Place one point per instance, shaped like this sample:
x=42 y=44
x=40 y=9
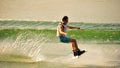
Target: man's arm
x=71 y=27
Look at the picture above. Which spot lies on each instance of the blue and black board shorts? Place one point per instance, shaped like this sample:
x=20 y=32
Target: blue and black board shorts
x=64 y=39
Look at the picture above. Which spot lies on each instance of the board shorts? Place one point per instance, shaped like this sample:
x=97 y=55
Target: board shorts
x=64 y=39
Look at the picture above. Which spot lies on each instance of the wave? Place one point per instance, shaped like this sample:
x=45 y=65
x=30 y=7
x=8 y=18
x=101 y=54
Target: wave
x=53 y=25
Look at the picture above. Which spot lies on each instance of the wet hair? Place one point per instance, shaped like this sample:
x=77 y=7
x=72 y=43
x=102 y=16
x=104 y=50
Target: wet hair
x=65 y=18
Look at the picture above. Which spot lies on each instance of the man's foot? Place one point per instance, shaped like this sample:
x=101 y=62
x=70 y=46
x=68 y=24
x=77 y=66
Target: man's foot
x=75 y=53
x=78 y=52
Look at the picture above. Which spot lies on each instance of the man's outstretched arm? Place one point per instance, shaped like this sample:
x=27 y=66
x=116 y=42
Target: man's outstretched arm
x=71 y=27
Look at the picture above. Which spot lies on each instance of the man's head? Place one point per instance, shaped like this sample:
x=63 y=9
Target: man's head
x=65 y=20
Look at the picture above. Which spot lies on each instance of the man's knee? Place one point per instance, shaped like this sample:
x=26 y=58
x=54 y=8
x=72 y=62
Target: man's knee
x=72 y=40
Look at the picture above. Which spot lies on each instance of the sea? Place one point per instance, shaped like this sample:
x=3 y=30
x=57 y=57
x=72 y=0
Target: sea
x=34 y=44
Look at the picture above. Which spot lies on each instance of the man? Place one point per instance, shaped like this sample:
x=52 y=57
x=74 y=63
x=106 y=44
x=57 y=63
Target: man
x=62 y=34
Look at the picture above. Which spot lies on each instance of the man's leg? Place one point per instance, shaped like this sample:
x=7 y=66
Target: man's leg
x=74 y=47
x=76 y=50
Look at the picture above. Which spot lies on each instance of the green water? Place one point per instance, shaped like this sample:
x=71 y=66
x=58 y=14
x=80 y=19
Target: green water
x=100 y=36
x=33 y=44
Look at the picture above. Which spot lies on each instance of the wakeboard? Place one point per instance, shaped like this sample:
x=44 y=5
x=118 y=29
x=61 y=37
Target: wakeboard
x=82 y=52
